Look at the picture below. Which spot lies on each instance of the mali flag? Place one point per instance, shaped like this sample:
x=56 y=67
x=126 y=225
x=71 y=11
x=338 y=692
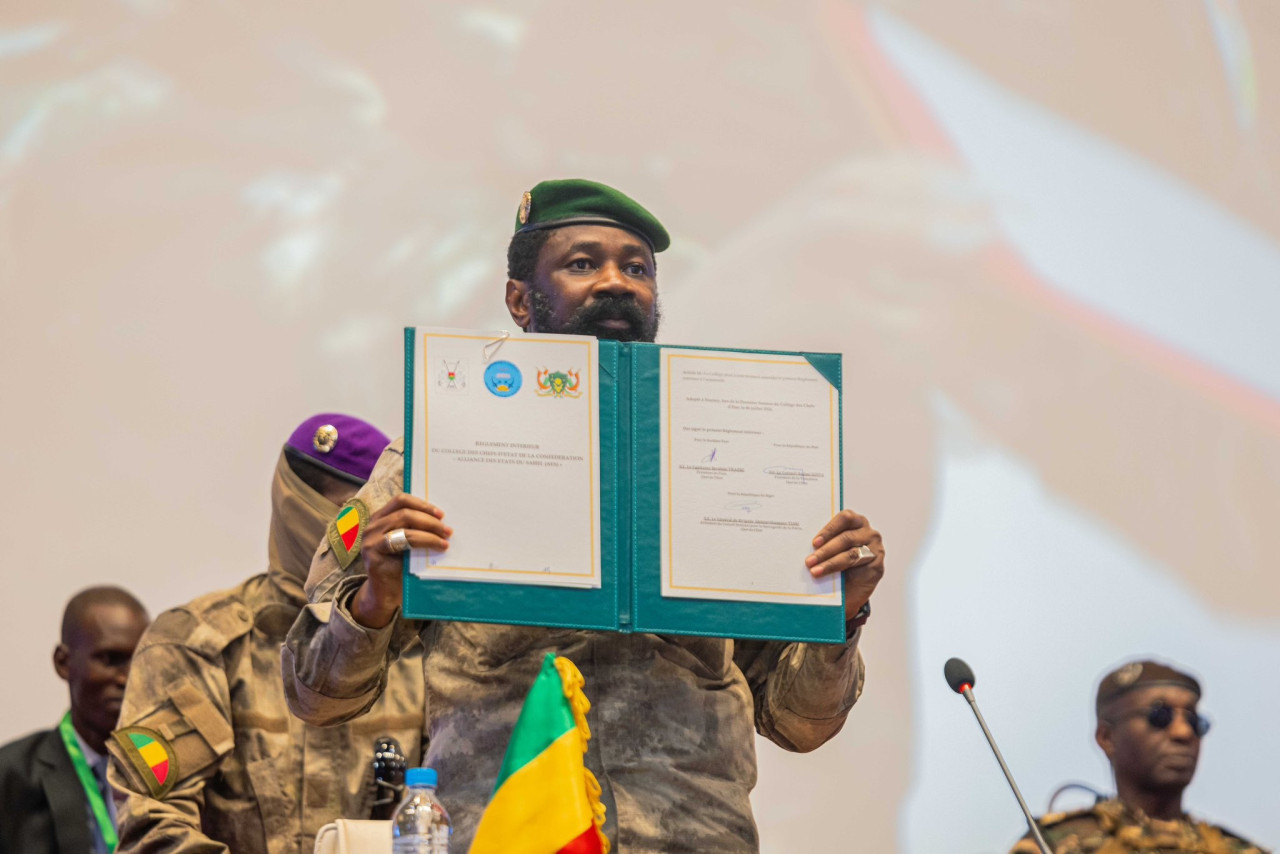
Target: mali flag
x=545 y=800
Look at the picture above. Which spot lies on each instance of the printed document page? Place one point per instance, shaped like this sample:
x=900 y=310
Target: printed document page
x=506 y=442
x=750 y=474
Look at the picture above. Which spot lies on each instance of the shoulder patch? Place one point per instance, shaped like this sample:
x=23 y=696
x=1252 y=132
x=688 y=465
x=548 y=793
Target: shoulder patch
x=346 y=531
x=151 y=755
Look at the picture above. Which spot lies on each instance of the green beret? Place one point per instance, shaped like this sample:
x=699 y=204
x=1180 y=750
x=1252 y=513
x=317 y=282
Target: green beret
x=1141 y=674
x=574 y=201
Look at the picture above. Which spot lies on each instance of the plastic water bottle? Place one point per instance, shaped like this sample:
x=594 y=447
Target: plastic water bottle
x=421 y=824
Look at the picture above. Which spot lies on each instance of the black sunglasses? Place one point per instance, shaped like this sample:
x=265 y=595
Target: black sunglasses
x=1160 y=716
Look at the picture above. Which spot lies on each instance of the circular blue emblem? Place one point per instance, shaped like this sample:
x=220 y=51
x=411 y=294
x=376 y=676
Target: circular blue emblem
x=502 y=378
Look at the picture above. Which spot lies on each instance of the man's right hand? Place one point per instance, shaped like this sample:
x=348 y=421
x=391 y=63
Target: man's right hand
x=377 y=600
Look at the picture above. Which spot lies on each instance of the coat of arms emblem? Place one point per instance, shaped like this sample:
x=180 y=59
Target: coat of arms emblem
x=558 y=383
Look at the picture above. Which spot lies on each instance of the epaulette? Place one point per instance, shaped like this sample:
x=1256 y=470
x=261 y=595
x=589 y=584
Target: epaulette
x=1052 y=818
x=206 y=625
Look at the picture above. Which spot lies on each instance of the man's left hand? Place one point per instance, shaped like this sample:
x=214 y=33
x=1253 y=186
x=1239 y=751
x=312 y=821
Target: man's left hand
x=837 y=549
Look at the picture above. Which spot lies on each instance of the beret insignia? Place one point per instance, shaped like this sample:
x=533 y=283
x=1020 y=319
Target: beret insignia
x=1129 y=674
x=326 y=438
x=346 y=531
x=151 y=756
x=526 y=207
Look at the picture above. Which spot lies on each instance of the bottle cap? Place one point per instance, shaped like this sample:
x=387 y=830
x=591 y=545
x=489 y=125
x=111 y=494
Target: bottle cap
x=421 y=777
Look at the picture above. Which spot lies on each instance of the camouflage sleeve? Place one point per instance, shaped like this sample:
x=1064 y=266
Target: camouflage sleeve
x=803 y=692
x=333 y=668
x=1239 y=844
x=386 y=481
x=177 y=709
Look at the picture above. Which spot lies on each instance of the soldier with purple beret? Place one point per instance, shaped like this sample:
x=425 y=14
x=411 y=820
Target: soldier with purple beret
x=207 y=756
x=340 y=445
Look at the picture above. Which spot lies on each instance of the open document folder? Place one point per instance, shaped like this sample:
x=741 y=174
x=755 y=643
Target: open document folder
x=626 y=487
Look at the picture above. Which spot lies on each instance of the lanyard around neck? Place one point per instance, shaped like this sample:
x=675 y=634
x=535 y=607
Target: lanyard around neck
x=89 y=781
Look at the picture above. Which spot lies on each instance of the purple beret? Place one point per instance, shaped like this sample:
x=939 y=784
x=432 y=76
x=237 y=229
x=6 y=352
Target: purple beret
x=340 y=444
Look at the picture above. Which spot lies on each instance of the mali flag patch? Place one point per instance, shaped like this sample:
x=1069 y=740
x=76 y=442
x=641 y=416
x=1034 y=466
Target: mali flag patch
x=346 y=531
x=151 y=756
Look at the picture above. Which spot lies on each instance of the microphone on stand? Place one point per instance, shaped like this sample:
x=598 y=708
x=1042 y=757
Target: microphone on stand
x=961 y=679
x=389 y=764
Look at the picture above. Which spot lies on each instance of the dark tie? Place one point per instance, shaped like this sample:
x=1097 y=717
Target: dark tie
x=100 y=772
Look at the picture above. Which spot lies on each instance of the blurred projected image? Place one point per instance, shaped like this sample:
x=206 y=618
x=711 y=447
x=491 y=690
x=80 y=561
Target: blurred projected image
x=1045 y=235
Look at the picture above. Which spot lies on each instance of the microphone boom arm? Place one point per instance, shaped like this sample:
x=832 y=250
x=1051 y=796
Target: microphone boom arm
x=1031 y=822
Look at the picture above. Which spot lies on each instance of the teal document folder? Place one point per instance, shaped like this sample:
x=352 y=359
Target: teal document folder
x=630 y=597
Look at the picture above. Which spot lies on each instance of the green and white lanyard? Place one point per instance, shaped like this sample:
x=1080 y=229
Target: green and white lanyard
x=89 y=781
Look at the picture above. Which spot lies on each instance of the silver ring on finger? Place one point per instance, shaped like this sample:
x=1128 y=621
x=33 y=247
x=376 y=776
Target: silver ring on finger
x=863 y=553
x=397 y=541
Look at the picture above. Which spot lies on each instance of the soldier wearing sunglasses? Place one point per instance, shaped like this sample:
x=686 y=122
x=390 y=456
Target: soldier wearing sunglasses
x=1150 y=730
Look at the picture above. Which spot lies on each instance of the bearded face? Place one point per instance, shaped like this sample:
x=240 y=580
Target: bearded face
x=595 y=280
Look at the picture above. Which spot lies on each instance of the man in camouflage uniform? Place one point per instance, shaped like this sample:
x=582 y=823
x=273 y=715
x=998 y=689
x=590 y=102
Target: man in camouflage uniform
x=672 y=718
x=1150 y=730
x=207 y=755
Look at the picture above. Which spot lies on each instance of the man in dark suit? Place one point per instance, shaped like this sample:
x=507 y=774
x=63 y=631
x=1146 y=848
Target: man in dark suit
x=53 y=783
